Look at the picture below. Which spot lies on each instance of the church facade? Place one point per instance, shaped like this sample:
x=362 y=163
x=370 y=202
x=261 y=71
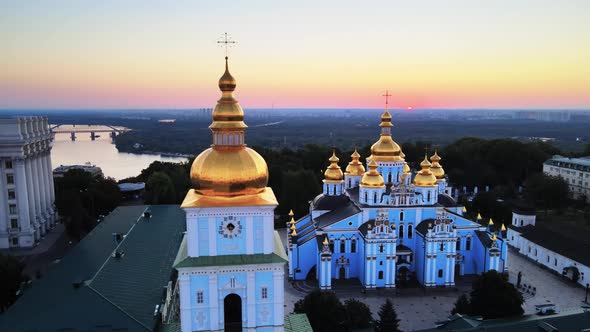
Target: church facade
x=231 y=263
x=387 y=225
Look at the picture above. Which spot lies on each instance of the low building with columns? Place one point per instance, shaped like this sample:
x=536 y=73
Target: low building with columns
x=389 y=226
x=27 y=193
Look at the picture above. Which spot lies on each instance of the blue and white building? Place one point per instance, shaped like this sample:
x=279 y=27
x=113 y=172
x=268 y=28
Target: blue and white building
x=231 y=263
x=389 y=225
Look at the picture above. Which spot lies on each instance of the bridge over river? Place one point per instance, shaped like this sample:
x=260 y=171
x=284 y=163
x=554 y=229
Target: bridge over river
x=73 y=130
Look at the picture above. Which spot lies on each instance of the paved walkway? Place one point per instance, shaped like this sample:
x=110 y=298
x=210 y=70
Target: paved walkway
x=551 y=288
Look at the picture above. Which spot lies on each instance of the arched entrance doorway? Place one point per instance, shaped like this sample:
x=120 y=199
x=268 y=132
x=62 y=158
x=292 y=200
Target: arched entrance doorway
x=342 y=273
x=232 y=313
x=403 y=276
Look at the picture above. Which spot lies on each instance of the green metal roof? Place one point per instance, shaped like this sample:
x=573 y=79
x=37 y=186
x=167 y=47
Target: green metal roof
x=119 y=294
x=278 y=256
x=575 y=320
x=297 y=323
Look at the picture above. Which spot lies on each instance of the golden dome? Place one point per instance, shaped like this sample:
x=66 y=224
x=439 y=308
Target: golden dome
x=229 y=172
x=355 y=167
x=425 y=178
x=372 y=178
x=228 y=168
x=406 y=169
x=333 y=172
x=385 y=149
x=436 y=167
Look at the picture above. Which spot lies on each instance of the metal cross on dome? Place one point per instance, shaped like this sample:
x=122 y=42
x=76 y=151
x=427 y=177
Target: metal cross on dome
x=226 y=42
x=386 y=95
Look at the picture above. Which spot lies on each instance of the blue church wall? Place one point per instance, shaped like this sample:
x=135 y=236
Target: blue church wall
x=258 y=234
x=351 y=223
x=264 y=279
x=419 y=258
x=478 y=257
x=441 y=264
x=305 y=258
x=361 y=261
x=199 y=283
x=203 y=229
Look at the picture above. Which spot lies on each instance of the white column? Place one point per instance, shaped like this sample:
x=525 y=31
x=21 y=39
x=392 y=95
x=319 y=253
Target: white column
x=185 y=302
x=249 y=235
x=213 y=302
x=37 y=194
x=47 y=177
x=42 y=184
x=251 y=299
x=279 y=296
x=50 y=173
x=25 y=208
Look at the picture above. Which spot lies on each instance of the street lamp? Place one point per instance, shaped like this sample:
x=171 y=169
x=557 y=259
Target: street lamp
x=587 y=286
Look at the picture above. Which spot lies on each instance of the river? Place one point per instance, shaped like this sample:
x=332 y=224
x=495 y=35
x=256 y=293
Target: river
x=102 y=153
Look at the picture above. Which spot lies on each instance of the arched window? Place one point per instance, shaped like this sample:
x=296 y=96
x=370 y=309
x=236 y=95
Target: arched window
x=366 y=197
x=375 y=197
x=342 y=246
x=428 y=199
x=442 y=246
x=468 y=243
x=334 y=190
x=440 y=273
x=331 y=245
x=381 y=248
x=380 y=275
x=458 y=247
x=401 y=216
x=349 y=183
x=353 y=245
x=401 y=230
x=410 y=231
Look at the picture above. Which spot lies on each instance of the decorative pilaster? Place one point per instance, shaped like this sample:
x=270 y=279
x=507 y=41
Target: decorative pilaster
x=22 y=194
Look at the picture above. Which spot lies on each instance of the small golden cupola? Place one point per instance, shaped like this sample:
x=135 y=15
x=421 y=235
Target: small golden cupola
x=333 y=173
x=372 y=178
x=385 y=149
x=425 y=178
x=228 y=168
x=406 y=169
x=355 y=167
x=436 y=167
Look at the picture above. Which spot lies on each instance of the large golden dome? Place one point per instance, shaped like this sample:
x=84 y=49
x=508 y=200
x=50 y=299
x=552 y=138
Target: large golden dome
x=228 y=168
x=425 y=178
x=372 y=178
x=333 y=172
x=385 y=149
x=355 y=167
x=436 y=168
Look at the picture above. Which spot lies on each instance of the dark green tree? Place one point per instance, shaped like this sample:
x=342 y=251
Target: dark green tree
x=358 y=314
x=492 y=296
x=546 y=192
x=11 y=276
x=388 y=321
x=462 y=306
x=324 y=311
x=160 y=189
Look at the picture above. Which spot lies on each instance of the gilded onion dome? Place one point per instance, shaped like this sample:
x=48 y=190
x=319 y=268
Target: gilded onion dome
x=355 y=167
x=228 y=168
x=425 y=178
x=436 y=167
x=385 y=149
x=333 y=172
x=372 y=178
x=406 y=169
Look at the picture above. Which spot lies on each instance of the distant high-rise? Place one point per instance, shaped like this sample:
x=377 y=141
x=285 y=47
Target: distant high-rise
x=26 y=183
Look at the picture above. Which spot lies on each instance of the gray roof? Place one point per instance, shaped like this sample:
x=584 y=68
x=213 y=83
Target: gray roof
x=347 y=209
x=118 y=294
x=576 y=320
x=570 y=243
x=574 y=163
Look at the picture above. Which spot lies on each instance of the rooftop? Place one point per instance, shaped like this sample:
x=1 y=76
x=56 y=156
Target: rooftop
x=558 y=160
x=113 y=294
x=576 y=320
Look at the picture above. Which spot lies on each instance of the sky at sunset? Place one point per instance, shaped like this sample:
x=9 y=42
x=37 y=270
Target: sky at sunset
x=428 y=54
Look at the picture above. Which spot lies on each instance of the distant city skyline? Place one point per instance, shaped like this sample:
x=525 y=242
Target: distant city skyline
x=332 y=54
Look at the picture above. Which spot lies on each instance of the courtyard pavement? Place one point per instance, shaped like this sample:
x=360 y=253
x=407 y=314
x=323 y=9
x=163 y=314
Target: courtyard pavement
x=418 y=308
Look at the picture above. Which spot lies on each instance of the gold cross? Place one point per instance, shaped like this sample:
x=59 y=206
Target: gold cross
x=386 y=95
x=226 y=41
